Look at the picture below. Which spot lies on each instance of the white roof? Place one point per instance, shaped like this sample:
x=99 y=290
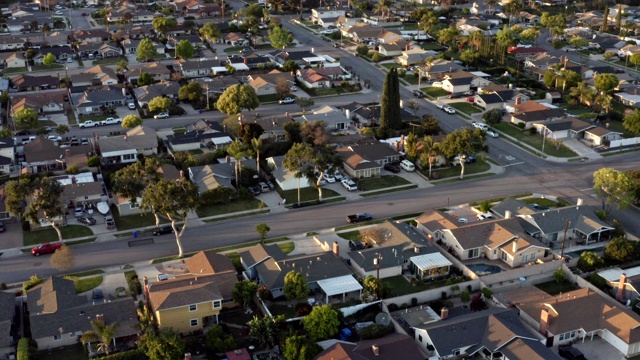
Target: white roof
x=240 y=67
x=315 y=58
x=339 y=285
x=480 y=74
x=613 y=274
x=86 y=177
x=430 y=261
x=221 y=140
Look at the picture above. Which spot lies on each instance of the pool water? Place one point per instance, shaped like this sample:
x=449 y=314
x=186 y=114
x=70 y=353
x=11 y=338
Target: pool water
x=482 y=269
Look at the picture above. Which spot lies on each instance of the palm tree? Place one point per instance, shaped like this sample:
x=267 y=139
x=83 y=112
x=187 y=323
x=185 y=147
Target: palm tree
x=238 y=151
x=256 y=145
x=583 y=93
x=604 y=101
x=491 y=4
x=101 y=332
x=513 y=8
x=475 y=39
x=430 y=150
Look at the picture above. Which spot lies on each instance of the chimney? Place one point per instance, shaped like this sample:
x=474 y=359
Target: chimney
x=430 y=237
x=336 y=249
x=544 y=321
x=406 y=48
x=187 y=356
x=416 y=249
x=621 y=287
x=579 y=202
x=518 y=100
x=375 y=349
x=100 y=318
x=444 y=313
x=181 y=174
x=515 y=246
x=507 y=214
x=396 y=145
x=451 y=69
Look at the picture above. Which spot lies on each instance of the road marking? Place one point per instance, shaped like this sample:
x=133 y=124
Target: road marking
x=518 y=163
x=587 y=189
x=509 y=157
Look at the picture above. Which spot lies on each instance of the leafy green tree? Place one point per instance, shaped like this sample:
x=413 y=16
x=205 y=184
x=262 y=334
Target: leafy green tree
x=605 y=20
x=130 y=181
x=299 y=347
x=192 y=92
x=218 y=341
x=322 y=323
x=362 y=50
x=146 y=50
x=265 y=330
x=606 y=82
x=244 y=291
x=210 y=31
x=173 y=199
x=631 y=122
x=130 y=121
x=492 y=116
x=325 y=159
x=390 y=115
x=560 y=276
x=166 y=345
x=163 y=25
x=236 y=98
x=463 y=142
x=36 y=199
x=578 y=42
x=635 y=60
x=614 y=189
x=49 y=59
x=299 y=161
x=620 y=249
x=61 y=129
x=279 y=37
x=185 y=50
x=262 y=229
x=102 y=333
x=465 y=296
x=469 y=56
x=290 y=65
x=529 y=35
x=5 y=133
x=411 y=146
x=26 y=118
x=159 y=104
x=371 y=287
x=145 y=79
x=505 y=37
x=449 y=36
x=304 y=103
x=583 y=93
x=295 y=286
x=123 y=66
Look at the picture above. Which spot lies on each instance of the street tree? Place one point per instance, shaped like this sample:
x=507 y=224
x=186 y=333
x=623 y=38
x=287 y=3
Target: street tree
x=414 y=106
x=146 y=50
x=238 y=151
x=61 y=129
x=163 y=25
x=122 y=66
x=131 y=181
x=192 y=92
x=462 y=142
x=492 y=116
x=26 y=118
x=283 y=87
x=262 y=229
x=430 y=151
x=210 y=31
x=295 y=286
x=254 y=11
x=606 y=83
x=631 y=122
x=62 y=259
x=635 y=60
x=362 y=50
x=236 y=98
x=49 y=59
x=299 y=160
x=5 y=133
x=279 y=37
x=304 y=103
x=326 y=160
x=390 y=115
x=322 y=323
x=264 y=330
x=578 y=42
x=185 y=50
x=130 y=121
x=614 y=189
x=36 y=200
x=102 y=333
x=145 y=78
x=175 y=199
x=256 y=146
x=159 y=104
x=314 y=132
x=244 y=291
x=166 y=345
x=299 y=347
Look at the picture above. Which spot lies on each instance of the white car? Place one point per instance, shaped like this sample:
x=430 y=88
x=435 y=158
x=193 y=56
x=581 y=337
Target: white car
x=286 y=100
x=58 y=12
x=89 y=123
x=437 y=84
x=440 y=106
x=349 y=184
x=131 y=106
x=329 y=178
x=493 y=134
x=54 y=138
x=111 y=121
x=449 y=110
x=338 y=176
x=163 y=115
x=484 y=216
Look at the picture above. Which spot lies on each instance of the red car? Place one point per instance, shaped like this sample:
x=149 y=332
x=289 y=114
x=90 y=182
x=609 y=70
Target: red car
x=45 y=248
x=470 y=99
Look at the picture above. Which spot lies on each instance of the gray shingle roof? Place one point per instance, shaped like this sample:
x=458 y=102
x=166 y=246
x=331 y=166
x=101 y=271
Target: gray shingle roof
x=582 y=218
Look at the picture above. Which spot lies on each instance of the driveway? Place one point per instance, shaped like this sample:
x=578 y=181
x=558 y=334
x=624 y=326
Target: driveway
x=598 y=349
x=12 y=238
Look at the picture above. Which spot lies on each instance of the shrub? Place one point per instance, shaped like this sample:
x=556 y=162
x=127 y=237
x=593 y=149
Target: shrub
x=3 y=286
x=487 y=293
x=134 y=283
x=33 y=281
x=376 y=57
x=392 y=307
x=23 y=349
x=375 y=331
x=521 y=125
x=136 y=354
x=303 y=309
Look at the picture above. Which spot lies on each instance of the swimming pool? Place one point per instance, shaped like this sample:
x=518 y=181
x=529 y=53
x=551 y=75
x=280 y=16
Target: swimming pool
x=576 y=254
x=482 y=269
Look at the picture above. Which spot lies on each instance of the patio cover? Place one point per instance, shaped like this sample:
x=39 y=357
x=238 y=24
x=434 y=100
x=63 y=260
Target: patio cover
x=430 y=261
x=339 y=285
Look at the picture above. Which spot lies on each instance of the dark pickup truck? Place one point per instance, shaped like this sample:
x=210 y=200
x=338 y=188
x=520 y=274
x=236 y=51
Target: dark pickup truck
x=359 y=217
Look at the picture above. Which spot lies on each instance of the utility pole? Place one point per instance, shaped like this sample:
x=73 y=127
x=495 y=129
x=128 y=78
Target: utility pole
x=566 y=228
x=207 y=94
x=376 y=262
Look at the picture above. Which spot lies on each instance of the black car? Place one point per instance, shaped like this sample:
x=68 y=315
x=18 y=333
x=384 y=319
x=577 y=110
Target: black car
x=571 y=353
x=97 y=294
x=2 y=227
x=336 y=45
x=471 y=158
x=164 y=229
x=392 y=167
x=23 y=133
x=87 y=220
x=254 y=190
x=455 y=95
x=419 y=93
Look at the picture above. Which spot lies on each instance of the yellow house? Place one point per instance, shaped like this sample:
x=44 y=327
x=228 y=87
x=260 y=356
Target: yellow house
x=193 y=301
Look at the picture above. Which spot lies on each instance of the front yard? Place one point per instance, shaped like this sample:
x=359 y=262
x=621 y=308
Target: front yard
x=382 y=182
x=454 y=171
x=552 y=147
x=232 y=207
x=40 y=236
x=306 y=194
x=434 y=92
x=465 y=107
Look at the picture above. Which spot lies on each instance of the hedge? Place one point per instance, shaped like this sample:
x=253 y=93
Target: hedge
x=23 y=349
x=136 y=354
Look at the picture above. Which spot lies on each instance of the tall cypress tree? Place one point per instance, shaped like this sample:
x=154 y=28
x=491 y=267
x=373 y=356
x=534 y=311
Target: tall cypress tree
x=605 y=19
x=390 y=116
x=618 y=18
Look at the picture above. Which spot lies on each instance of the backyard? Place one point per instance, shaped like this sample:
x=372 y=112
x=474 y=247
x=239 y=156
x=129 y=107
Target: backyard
x=554 y=287
x=399 y=285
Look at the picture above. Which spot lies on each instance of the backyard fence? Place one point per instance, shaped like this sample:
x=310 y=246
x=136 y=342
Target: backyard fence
x=624 y=142
x=433 y=294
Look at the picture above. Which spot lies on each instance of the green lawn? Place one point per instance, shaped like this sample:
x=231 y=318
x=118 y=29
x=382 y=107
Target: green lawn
x=465 y=107
x=18 y=70
x=109 y=61
x=306 y=194
x=551 y=147
x=47 y=67
x=434 y=91
x=278 y=309
x=235 y=260
x=389 y=65
x=382 y=182
x=350 y=235
x=410 y=27
x=88 y=273
x=454 y=171
x=271 y=98
x=554 y=288
x=234 y=49
x=35 y=237
x=412 y=79
x=576 y=109
x=287 y=247
x=232 y=207
x=87 y=284
x=399 y=286
x=71 y=352
x=431 y=46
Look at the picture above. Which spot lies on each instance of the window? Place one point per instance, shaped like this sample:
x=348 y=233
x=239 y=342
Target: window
x=217 y=304
x=193 y=322
x=533 y=257
x=567 y=335
x=57 y=337
x=420 y=338
x=193 y=307
x=504 y=256
x=524 y=258
x=474 y=253
x=128 y=157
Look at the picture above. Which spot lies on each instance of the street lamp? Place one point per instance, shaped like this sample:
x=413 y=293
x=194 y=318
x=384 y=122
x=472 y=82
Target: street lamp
x=376 y=262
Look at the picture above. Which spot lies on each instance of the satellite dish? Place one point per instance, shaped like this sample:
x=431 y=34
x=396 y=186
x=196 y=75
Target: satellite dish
x=383 y=319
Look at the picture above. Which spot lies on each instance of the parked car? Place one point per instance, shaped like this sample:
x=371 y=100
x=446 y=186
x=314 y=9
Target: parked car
x=449 y=110
x=455 y=95
x=69 y=60
x=110 y=222
x=468 y=93
x=264 y=187
x=97 y=295
x=328 y=178
x=79 y=212
x=111 y=121
x=164 y=229
x=480 y=126
x=419 y=93
x=392 y=167
x=163 y=115
x=571 y=353
x=89 y=123
x=131 y=106
x=338 y=175
x=54 y=138
x=286 y=100
x=87 y=220
x=349 y=184
x=493 y=134
x=471 y=99
x=437 y=84
x=254 y=189
x=407 y=165
x=2 y=227
x=484 y=216
x=45 y=248
x=359 y=217
x=336 y=45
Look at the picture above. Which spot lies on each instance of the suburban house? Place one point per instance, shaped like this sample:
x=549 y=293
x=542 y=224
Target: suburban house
x=92 y=101
x=490 y=101
x=81 y=189
x=167 y=89
x=158 y=71
x=25 y=82
x=44 y=102
x=141 y=140
x=384 y=348
x=367 y=159
x=521 y=52
x=457 y=82
x=561 y=318
x=402 y=250
x=600 y=135
x=96 y=36
x=58 y=317
x=392 y=49
x=7 y=155
x=325 y=18
x=625 y=283
x=362 y=32
x=413 y=57
x=314 y=78
x=267 y=84
x=438 y=67
x=584 y=226
x=7 y=319
x=331 y=117
x=567 y=128
x=361 y=115
x=95 y=76
x=203 y=134
x=13 y=60
x=208 y=178
x=501 y=239
x=326 y=273
x=193 y=300
x=529 y=118
x=495 y=333
x=42 y=155
x=62 y=53
x=197 y=68
x=285 y=179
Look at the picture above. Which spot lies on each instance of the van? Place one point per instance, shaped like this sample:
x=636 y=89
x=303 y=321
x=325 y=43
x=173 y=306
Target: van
x=264 y=187
x=481 y=126
x=407 y=165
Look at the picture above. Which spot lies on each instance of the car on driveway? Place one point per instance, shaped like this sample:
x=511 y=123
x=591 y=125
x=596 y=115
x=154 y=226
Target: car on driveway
x=2 y=227
x=97 y=295
x=349 y=184
x=471 y=99
x=45 y=248
x=163 y=115
x=570 y=353
x=255 y=190
x=54 y=138
x=87 y=220
x=131 y=106
x=455 y=95
x=79 y=212
x=449 y=110
x=392 y=167
x=419 y=93
x=286 y=100
x=328 y=178
x=493 y=134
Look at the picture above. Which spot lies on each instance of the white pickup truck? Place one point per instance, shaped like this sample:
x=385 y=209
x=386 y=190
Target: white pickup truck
x=89 y=123
x=111 y=121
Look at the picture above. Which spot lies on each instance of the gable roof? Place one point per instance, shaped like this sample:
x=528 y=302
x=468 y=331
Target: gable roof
x=582 y=218
x=208 y=262
x=491 y=98
x=515 y=206
x=183 y=291
x=7 y=312
x=539 y=115
x=366 y=155
x=140 y=137
x=388 y=349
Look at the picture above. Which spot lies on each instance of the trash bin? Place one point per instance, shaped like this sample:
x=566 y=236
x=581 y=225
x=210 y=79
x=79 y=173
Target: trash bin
x=200 y=111
x=135 y=234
